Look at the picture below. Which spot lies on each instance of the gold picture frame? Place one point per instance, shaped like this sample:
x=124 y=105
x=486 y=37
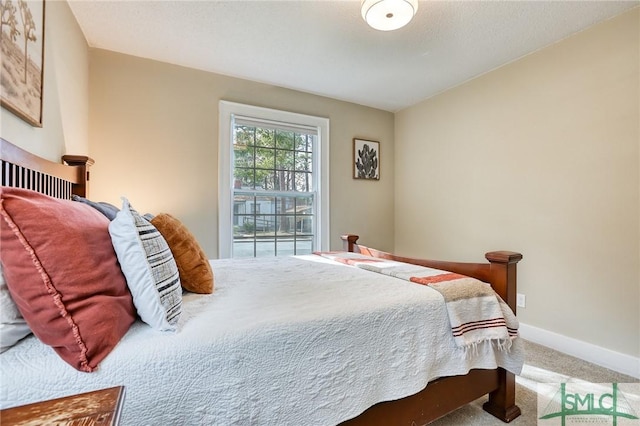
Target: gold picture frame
x=366 y=159
x=22 y=59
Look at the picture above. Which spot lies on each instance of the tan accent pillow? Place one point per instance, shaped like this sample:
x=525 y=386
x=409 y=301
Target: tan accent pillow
x=194 y=268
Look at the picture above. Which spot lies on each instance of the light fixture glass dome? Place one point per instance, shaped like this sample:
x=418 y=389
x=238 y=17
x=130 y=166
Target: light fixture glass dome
x=387 y=15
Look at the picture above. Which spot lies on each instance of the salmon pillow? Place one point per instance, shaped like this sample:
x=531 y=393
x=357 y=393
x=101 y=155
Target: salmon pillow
x=63 y=275
x=193 y=266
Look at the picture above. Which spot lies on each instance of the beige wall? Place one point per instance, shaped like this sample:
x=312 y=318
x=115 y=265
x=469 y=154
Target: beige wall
x=540 y=156
x=66 y=92
x=154 y=136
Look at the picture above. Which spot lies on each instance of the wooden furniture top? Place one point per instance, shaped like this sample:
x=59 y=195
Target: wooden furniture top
x=73 y=168
x=97 y=408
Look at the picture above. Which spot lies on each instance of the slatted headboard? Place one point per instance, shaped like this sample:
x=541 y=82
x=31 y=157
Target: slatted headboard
x=22 y=169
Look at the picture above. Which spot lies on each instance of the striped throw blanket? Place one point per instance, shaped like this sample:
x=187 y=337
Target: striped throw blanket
x=476 y=312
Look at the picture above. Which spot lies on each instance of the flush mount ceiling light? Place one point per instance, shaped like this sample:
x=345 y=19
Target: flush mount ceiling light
x=387 y=15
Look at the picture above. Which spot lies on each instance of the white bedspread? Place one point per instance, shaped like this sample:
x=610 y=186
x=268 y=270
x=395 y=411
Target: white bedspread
x=285 y=341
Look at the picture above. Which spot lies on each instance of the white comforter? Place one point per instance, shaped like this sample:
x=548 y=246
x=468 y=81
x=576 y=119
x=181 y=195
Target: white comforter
x=285 y=341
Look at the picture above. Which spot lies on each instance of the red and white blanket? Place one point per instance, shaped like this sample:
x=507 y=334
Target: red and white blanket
x=475 y=310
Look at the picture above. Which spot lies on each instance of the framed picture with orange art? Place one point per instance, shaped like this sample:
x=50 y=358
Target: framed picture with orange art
x=22 y=59
x=366 y=159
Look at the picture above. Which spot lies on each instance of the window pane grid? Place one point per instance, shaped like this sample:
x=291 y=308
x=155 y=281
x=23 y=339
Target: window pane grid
x=270 y=159
x=303 y=142
x=274 y=198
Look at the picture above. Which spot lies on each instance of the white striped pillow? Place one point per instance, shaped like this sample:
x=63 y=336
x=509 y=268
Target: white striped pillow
x=149 y=267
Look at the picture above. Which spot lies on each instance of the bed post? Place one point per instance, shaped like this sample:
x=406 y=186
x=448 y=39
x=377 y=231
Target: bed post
x=503 y=275
x=502 y=401
x=82 y=162
x=349 y=242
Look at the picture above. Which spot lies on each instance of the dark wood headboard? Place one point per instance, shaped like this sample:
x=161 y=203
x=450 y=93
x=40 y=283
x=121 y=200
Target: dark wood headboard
x=21 y=169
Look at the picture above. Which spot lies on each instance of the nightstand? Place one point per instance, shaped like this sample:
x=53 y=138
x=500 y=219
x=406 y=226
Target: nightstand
x=97 y=408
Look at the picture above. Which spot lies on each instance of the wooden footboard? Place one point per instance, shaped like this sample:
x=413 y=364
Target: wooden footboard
x=500 y=272
x=446 y=394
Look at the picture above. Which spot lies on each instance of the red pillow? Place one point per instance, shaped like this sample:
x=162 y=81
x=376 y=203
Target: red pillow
x=63 y=274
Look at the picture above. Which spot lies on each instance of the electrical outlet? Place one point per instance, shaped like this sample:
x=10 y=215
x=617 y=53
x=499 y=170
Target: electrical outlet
x=521 y=300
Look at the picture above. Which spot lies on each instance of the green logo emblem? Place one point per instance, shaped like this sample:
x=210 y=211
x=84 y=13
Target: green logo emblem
x=589 y=405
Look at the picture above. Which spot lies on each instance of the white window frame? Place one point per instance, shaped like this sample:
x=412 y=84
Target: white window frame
x=227 y=110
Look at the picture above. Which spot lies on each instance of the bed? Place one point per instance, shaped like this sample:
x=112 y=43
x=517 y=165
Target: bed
x=268 y=355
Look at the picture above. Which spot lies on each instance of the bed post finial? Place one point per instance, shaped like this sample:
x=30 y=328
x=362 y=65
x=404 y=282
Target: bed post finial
x=349 y=242
x=503 y=273
x=82 y=162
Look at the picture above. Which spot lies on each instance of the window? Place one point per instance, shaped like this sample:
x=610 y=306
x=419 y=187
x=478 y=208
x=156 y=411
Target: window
x=273 y=187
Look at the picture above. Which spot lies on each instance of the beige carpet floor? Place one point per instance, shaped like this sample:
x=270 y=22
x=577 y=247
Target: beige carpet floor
x=542 y=365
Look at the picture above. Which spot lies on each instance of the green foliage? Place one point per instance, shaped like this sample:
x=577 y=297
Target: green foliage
x=271 y=159
x=249 y=227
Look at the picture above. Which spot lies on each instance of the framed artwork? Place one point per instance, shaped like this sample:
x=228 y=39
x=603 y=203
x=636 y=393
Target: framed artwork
x=22 y=59
x=366 y=159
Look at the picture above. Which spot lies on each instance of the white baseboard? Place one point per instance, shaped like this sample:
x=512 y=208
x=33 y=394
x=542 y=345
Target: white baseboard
x=616 y=361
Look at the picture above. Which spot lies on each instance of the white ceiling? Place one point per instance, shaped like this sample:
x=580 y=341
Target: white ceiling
x=325 y=48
